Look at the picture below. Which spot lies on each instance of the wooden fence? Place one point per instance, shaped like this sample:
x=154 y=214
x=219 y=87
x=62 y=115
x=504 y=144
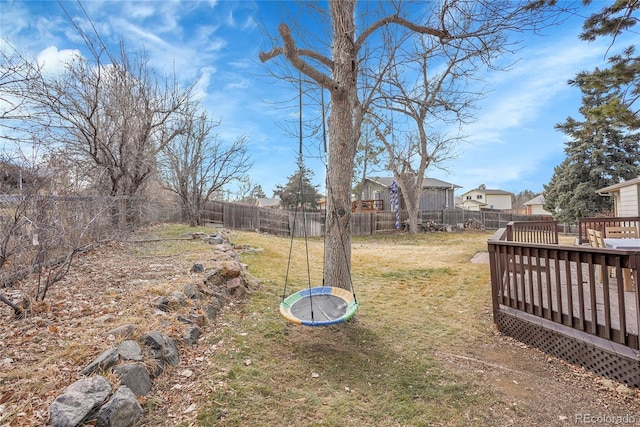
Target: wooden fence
x=285 y=223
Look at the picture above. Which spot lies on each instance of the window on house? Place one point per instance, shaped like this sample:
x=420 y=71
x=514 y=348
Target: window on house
x=468 y=197
x=479 y=197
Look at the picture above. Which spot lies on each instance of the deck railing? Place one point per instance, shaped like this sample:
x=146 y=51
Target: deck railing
x=533 y=232
x=602 y=223
x=564 y=285
x=368 y=205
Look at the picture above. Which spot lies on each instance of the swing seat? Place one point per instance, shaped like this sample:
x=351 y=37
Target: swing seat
x=319 y=306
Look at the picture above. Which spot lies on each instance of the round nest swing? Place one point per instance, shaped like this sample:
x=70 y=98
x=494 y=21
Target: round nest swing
x=319 y=306
x=322 y=305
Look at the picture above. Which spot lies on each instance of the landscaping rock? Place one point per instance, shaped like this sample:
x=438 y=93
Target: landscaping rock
x=123 y=331
x=197 y=268
x=210 y=311
x=170 y=353
x=192 y=291
x=154 y=340
x=130 y=350
x=178 y=298
x=107 y=359
x=161 y=303
x=192 y=335
x=78 y=401
x=135 y=377
x=122 y=410
x=214 y=278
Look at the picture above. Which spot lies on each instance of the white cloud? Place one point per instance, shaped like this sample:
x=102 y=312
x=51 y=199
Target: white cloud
x=54 y=61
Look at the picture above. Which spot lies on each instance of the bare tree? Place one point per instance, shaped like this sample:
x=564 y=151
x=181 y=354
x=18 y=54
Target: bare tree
x=111 y=116
x=431 y=93
x=197 y=164
x=367 y=160
x=39 y=238
x=479 y=26
x=16 y=74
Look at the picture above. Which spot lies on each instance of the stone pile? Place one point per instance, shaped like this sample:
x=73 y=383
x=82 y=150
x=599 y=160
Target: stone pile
x=137 y=362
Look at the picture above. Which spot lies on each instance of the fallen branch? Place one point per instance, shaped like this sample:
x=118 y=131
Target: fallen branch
x=482 y=362
x=16 y=309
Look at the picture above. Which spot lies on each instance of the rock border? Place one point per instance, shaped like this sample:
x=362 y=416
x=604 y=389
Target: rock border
x=136 y=363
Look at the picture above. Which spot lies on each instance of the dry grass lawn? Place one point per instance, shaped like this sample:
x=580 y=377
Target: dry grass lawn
x=420 y=351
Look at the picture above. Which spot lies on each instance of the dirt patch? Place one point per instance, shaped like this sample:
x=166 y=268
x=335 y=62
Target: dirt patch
x=542 y=390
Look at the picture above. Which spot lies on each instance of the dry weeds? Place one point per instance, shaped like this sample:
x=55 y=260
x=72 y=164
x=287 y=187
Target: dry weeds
x=422 y=350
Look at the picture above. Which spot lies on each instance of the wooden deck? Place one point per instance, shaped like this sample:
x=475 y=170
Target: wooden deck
x=581 y=293
x=569 y=301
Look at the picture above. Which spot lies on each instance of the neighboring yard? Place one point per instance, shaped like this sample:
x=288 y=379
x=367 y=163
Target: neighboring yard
x=421 y=350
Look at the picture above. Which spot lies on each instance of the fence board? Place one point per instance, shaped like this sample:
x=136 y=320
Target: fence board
x=280 y=222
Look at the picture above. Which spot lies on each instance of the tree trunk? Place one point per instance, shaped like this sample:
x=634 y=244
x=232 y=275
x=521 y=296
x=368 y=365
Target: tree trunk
x=411 y=197
x=342 y=146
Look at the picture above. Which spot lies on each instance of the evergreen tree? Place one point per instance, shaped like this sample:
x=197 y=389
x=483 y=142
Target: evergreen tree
x=622 y=78
x=601 y=151
x=299 y=191
x=257 y=192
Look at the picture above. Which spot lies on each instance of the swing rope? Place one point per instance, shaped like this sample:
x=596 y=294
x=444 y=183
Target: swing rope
x=334 y=304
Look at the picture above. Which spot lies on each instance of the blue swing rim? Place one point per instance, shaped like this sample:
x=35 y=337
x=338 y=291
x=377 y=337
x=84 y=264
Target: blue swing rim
x=348 y=297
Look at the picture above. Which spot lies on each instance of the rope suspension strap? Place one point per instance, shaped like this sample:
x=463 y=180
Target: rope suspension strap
x=321 y=305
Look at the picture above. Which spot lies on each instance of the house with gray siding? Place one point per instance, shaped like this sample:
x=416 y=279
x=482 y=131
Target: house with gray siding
x=436 y=194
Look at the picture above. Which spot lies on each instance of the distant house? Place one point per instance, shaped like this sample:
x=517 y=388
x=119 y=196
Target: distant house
x=626 y=198
x=265 y=202
x=485 y=198
x=535 y=206
x=436 y=194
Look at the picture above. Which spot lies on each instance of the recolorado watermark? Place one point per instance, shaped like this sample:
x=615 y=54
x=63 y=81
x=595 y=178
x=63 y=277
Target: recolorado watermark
x=600 y=419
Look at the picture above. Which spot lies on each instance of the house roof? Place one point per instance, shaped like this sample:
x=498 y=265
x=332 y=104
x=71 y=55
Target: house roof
x=266 y=202
x=538 y=200
x=615 y=187
x=472 y=202
x=426 y=183
x=489 y=191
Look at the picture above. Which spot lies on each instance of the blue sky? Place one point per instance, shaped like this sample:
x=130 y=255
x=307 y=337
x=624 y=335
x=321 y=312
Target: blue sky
x=512 y=145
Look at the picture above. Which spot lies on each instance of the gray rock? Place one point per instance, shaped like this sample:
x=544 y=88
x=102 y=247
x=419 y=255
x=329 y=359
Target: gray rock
x=191 y=291
x=170 y=353
x=215 y=240
x=197 y=268
x=191 y=338
x=178 y=297
x=122 y=410
x=184 y=320
x=161 y=303
x=107 y=359
x=214 y=277
x=130 y=350
x=123 y=331
x=154 y=340
x=78 y=401
x=210 y=311
x=135 y=377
